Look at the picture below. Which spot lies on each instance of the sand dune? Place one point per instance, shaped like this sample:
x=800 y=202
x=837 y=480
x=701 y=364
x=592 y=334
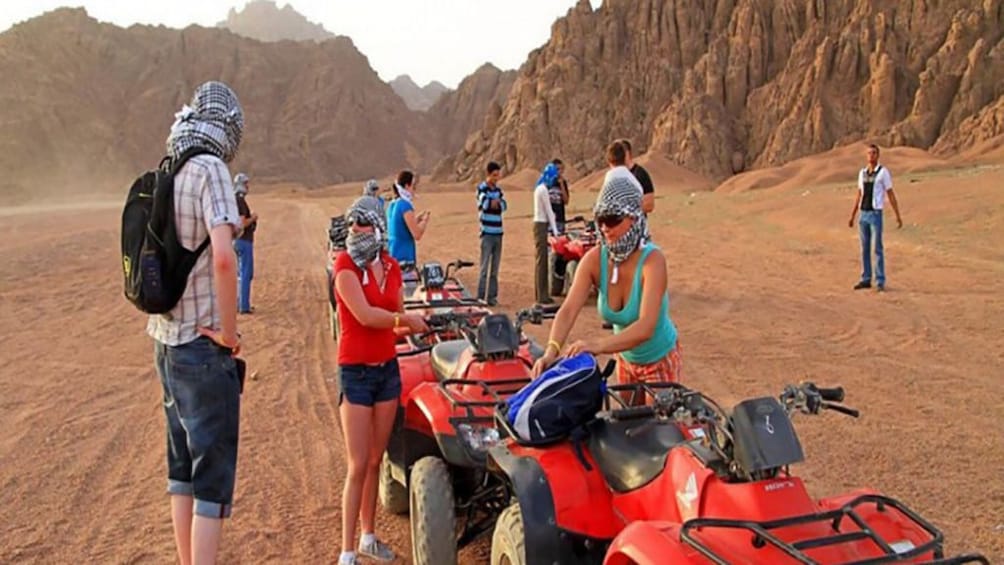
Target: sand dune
x=839 y=165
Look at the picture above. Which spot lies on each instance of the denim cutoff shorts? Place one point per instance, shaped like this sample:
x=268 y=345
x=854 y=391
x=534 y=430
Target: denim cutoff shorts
x=366 y=385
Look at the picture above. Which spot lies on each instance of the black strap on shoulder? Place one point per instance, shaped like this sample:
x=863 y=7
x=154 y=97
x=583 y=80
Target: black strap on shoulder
x=176 y=164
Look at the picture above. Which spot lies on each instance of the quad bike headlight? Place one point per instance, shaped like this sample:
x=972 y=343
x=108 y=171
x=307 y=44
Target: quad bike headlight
x=478 y=439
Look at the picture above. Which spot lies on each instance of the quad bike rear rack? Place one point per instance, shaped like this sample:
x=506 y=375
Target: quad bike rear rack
x=412 y=304
x=498 y=390
x=762 y=536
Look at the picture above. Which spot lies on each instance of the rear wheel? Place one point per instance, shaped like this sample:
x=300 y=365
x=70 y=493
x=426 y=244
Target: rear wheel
x=393 y=495
x=508 y=541
x=433 y=519
x=570 y=275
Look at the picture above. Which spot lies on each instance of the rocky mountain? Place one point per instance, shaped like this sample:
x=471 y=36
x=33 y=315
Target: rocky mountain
x=721 y=86
x=265 y=21
x=83 y=101
x=461 y=115
x=418 y=98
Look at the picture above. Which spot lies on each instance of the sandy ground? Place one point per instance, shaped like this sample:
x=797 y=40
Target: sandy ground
x=761 y=291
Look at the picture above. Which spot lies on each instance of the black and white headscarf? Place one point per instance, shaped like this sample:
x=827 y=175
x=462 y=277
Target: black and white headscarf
x=621 y=197
x=213 y=120
x=365 y=247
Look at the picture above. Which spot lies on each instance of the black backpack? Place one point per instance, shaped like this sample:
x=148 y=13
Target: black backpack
x=155 y=264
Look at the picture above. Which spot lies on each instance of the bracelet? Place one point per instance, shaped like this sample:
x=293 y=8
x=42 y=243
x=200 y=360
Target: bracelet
x=557 y=346
x=397 y=320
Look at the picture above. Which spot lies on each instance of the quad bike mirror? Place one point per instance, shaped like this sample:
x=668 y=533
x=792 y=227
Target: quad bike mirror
x=338 y=231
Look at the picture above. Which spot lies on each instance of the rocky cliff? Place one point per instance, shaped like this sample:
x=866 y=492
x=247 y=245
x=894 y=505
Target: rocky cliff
x=720 y=86
x=460 y=116
x=82 y=101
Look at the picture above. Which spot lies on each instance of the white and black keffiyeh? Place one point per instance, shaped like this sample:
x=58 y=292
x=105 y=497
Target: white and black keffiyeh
x=620 y=197
x=213 y=120
x=365 y=247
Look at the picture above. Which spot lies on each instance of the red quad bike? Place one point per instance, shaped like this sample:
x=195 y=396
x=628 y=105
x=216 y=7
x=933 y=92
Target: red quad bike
x=430 y=282
x=571 y=246
x=428 y=288
x=434 y=467
x=681 y=481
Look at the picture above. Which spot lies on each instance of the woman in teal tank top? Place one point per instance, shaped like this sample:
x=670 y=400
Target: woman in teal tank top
x=631 y=276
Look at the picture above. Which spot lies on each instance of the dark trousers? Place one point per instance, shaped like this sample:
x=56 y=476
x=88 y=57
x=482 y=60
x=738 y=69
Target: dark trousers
x=540 y=247
x=491 y=255
x=558 y=268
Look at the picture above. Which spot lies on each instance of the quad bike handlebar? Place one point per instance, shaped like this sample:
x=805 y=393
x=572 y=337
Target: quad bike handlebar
x=673 y=403
x=807 y=398
x=463 y=323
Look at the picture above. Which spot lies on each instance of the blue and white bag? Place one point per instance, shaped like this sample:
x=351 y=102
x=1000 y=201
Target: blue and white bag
x=563 y=398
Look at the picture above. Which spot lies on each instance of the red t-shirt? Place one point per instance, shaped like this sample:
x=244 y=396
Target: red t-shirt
x=358 y=344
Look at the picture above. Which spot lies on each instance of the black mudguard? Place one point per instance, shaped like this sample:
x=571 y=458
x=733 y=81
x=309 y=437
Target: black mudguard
x=546 y=542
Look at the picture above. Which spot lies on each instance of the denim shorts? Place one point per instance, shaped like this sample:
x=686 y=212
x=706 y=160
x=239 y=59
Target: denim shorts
x=366 y=385
x=202 y=403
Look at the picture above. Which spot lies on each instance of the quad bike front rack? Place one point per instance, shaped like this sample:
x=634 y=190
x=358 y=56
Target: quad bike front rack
x=480 y=512
x=762 y=536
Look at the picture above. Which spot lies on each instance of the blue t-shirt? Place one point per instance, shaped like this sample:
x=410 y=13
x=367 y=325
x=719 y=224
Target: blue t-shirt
x=400 y=242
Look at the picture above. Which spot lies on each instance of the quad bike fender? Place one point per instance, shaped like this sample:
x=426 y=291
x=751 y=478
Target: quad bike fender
x=415 y=370
x=429 y=412
x=546 y=541
x=650 y=543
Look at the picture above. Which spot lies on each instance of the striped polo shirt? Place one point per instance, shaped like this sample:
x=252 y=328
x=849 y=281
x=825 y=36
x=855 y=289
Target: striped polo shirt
x=491 y=220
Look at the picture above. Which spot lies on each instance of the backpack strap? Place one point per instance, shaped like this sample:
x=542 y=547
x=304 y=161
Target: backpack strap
x=175 y=166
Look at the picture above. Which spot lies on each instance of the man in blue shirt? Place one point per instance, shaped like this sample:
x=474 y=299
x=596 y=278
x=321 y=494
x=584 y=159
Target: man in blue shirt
x=491 y=206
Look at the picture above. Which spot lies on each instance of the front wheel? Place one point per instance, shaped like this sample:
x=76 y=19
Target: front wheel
x=433 y=518
x=393 y=495
x=508 y=541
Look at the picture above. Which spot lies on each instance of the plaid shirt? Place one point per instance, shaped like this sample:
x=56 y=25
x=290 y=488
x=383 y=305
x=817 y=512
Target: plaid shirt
x=203 y=199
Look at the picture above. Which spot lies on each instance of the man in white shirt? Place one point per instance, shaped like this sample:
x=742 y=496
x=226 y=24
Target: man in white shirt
x=874 y=185
x=543 y=223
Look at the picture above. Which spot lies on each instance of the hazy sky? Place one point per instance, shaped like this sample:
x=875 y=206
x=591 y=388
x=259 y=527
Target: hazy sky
x=442 y=40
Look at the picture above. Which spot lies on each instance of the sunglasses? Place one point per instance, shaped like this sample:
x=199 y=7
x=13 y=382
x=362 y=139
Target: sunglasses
x=361 y=223
x=610 y=220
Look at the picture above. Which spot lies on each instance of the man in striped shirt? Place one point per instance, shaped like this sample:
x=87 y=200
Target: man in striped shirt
x=491 y=206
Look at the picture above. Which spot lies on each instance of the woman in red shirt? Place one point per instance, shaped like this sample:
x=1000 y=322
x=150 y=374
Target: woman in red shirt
x=370 y=306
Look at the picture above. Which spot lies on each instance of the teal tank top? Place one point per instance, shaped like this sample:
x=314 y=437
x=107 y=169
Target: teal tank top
x=663 y=340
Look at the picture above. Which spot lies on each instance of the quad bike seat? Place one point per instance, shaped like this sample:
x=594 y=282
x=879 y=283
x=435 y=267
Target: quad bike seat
x=631 y=462
x=445 y=357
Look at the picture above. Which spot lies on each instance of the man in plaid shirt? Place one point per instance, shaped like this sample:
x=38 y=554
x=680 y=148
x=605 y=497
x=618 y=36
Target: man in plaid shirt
x=195 y=343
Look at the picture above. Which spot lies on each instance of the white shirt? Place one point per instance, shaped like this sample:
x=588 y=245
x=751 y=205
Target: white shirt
x=623 y=172
x=542 y=211
x=883 y=183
